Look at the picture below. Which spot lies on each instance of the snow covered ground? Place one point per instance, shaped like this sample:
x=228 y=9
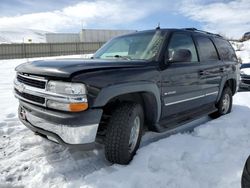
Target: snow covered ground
x=211 y=156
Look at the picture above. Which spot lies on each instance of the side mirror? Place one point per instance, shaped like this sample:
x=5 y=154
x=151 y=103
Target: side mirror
x=180 y=55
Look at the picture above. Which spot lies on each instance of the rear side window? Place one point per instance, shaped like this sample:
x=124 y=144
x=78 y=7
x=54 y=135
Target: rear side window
x=225 y=50
x=183 y=41
x=206 y=49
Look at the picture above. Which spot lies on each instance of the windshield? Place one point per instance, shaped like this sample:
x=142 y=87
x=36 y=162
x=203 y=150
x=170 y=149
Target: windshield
x=138 y=46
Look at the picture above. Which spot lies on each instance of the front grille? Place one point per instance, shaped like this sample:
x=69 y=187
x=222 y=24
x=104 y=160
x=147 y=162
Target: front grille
x=245 y=81
x=31 y=82
x=30 y=97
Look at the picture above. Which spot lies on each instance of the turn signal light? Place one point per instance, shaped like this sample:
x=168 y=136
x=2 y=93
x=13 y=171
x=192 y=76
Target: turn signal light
x=77 y=107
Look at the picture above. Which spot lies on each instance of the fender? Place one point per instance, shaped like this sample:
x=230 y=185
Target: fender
x=223 y=82
x=108 y=93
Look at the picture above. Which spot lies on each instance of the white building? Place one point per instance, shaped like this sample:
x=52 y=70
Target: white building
x=62 y=37
x=85 y=35
x=101 y=35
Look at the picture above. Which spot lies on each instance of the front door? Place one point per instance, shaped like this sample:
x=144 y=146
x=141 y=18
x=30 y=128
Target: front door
x=181 y=87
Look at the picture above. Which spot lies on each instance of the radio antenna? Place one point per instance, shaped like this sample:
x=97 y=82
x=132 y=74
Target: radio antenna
x=159 y=26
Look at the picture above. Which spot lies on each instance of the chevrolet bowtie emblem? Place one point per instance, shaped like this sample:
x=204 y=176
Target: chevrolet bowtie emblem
x=20 y=88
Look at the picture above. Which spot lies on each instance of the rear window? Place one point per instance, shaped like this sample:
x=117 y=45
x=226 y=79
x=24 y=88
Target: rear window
x=225 y=50
x=206 y=49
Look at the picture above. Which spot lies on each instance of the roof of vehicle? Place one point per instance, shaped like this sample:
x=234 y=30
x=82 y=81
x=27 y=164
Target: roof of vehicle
x=201 y=31
x=183 y=29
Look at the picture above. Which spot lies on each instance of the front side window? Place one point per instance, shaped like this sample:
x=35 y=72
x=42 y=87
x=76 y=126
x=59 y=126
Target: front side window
x=139 y=46
x=207 y=51
x=181 y=41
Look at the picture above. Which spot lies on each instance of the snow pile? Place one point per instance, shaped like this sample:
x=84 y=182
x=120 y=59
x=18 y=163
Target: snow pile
x=242 y=50
x=244 y=54
x=22 y=35
x=213 y=155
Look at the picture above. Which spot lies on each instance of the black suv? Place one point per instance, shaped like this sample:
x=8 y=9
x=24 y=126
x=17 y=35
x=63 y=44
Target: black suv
x=151 y=80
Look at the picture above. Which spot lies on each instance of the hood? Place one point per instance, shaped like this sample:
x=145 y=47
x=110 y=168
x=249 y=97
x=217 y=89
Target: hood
x=66 y=67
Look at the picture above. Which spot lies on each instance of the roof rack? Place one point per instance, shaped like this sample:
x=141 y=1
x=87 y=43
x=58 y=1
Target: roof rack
x=201 y=31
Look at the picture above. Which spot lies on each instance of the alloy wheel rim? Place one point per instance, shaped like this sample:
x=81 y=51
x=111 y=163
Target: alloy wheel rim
x=134 y=133
x=225 y=103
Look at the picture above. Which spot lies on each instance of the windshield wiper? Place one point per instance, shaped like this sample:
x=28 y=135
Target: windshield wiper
x=121 y=57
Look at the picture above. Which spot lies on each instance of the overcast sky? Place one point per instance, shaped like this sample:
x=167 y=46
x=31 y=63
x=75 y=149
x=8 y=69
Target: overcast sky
x=230 y=18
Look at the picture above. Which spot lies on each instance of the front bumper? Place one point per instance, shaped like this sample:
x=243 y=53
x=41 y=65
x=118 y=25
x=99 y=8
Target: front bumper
x=245 y=82
x=68 y=129
x=244 y=86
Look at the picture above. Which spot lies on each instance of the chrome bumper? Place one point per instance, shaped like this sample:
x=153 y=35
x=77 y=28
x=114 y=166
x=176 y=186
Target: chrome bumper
x=63 y=134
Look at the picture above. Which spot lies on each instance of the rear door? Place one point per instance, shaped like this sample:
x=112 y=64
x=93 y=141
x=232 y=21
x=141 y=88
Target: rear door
x=212 y=69
x=227 y=54
x=181 y=88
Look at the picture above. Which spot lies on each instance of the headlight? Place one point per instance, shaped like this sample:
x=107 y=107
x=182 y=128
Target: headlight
x=72 y=96
x=66 y=88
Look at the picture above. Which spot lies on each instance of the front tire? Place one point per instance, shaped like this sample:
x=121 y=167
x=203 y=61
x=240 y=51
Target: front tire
x=124 y=133
x=225 y=103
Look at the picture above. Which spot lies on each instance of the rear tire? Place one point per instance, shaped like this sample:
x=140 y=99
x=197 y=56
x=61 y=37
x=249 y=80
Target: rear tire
x=124 y=133
x=225 y=103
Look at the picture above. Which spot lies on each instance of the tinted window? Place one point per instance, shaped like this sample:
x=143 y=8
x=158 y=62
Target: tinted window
x=225 y=50
x=206 y=49
x=182 y=41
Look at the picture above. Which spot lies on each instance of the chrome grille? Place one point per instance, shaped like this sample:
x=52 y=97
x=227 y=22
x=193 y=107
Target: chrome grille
x=31 y=91
x=29 y=88
x=245 y=81
x=30 y=97
x=31 y=81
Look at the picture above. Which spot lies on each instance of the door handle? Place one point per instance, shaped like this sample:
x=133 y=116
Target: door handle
x=201 y=72
x=222 y=69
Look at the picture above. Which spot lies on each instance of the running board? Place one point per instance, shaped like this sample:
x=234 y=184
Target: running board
x=178 y=120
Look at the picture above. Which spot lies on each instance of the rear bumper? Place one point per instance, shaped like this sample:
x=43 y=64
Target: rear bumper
x=68 y=129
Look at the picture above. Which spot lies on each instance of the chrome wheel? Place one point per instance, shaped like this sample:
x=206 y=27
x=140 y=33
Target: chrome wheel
x=225 y=103
x=134 y=134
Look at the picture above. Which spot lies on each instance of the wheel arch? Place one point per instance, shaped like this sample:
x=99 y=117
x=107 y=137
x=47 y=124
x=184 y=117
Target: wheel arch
x=228 y=82
x=147 y=94
x=231 y=83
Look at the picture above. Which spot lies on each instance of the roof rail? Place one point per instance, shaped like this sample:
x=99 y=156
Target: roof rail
x=201 y=31
x=191 y=29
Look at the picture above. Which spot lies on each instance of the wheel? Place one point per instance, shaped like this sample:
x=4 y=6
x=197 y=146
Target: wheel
x=225 y=103
x=124 y=133
x=245 y=179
